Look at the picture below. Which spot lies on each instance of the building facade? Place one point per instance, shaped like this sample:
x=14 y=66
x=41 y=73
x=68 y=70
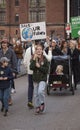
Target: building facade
x=53 y=12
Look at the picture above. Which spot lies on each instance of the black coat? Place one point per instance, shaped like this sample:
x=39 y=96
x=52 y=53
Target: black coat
x=75 y=64
x=55 y=52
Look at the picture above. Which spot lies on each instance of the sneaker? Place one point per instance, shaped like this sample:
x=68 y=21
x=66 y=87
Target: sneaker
x=13 y=91
x=10 y=102
x=42 y=107
x=30 y=105
x=37 y=110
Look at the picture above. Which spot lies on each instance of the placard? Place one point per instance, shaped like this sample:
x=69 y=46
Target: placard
x=33 y=31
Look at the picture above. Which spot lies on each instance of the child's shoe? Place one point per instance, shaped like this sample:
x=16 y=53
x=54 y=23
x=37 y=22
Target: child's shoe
x=42 y=107
x=37 y=110
x=13 y=91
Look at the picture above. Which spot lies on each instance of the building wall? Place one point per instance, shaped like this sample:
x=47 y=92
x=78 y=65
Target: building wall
x=54 y=16
x=55 y=11
x=12 y=10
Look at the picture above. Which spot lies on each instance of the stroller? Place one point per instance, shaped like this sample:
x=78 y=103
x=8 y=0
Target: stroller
x=60 y=75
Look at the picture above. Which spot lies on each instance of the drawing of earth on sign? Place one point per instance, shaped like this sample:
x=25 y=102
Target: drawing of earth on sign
x=27 y=33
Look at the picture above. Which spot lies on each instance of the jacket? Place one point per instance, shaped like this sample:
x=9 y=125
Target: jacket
x=5 y=72
x=10 y=54
x=39 y=74
x=27 y=58
x=18 y=51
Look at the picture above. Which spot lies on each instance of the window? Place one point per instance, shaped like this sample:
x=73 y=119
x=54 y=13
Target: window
x=16 y=2
x=42 y=15
x=37 y=10
x=78 y=7
x=17 y=18
x=2 y=16
x=2 y=32
x=2 y=3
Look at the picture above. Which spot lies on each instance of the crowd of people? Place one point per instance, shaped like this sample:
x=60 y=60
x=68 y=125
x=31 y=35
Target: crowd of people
x=36 y=58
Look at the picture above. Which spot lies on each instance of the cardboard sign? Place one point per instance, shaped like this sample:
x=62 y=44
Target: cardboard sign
x=33 y=31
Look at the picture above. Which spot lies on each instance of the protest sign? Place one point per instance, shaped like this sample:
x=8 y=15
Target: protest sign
x=75 y=27
x=33 y=31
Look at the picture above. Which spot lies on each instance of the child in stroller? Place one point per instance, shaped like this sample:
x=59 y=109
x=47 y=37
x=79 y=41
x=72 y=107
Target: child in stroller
x=59 y=70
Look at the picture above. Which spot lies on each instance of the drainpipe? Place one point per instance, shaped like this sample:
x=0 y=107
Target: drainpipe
x=68 y=11
x=68 y=16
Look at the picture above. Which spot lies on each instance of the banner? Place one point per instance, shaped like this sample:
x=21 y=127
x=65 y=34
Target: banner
x=75 y=27
x=33 y=31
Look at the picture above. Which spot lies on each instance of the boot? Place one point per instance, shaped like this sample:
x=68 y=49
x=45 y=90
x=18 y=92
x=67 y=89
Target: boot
x=2 y=108
x=5 y=113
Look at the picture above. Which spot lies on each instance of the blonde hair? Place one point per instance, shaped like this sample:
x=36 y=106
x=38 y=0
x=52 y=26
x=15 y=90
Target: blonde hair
x=59 y=68
x=74 y=43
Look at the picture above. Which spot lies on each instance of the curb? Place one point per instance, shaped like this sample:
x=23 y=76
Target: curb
x=21 y=74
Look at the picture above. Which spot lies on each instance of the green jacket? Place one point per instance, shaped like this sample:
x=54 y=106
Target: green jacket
x=39 y=74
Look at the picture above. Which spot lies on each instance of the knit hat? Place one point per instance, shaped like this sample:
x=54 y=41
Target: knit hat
x=4 y=59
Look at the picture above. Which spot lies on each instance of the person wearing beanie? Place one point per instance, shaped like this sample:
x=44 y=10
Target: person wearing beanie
x=6 y=51
x=5 y=77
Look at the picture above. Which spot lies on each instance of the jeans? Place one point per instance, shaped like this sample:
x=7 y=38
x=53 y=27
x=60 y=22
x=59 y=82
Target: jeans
x=4 y=97
x=39 y=93
x=30 y=88
x=12 y=84
x=18 y=64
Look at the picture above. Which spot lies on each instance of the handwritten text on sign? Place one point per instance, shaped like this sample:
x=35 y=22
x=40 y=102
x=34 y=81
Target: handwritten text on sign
x=33 y=31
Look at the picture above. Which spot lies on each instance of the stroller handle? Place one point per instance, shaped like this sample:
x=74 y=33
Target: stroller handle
x=59 y=57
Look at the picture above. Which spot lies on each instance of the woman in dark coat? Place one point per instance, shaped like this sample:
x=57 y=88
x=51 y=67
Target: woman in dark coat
x=74 y=53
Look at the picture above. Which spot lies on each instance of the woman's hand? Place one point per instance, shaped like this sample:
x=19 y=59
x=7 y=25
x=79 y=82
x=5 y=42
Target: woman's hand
x=1 y=78
x=35 y=56
x=37 y=65
x=5 y=78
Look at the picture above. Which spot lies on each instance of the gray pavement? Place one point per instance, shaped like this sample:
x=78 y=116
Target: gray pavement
x=23 y=71
x=62 y=111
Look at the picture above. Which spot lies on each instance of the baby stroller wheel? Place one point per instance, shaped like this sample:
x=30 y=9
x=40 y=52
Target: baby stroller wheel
x=73 y=92
x=48 y=89
x=72 y=89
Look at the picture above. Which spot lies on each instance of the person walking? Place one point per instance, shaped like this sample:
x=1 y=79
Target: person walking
x=18 y=49
x=6 y=51
x=39 y=64
x=26 y=61
x=5 y=77
x=74 y=53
